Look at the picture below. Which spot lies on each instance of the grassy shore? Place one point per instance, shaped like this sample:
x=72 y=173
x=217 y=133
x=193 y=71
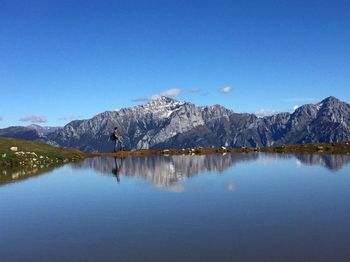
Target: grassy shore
x=17 y=152
x=317 y=148
x=20 y=159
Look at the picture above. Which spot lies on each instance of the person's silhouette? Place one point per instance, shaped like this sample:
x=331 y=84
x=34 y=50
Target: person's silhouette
x=118 y=167
x=116 y=137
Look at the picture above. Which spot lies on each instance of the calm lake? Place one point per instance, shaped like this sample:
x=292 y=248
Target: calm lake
x=219 y=207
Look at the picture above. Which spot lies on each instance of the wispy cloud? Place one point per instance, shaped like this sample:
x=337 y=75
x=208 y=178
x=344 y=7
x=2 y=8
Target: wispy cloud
x=1 y=118
x=198 y=91
x=34 y=119
x=69 y=118
x=154 y=96
x=172 y=92
x=230 y=186
x=195 y=90
x=300 y=99
x=226 y=89
x=295 y=107
x=265 y=112
x=140 y=99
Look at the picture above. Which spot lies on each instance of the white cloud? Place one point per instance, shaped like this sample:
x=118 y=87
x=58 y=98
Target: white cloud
x=198 y=91
x=34 y=119
x=295 y=107
x=265 y=112
x=225 y=90
x=173 y=92
x=153 y=97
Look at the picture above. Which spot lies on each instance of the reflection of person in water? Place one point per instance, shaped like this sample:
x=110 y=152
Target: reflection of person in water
x=118 y=167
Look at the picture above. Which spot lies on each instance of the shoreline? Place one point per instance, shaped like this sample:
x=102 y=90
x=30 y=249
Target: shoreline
x=17 y=153
x=34 y=158
x=316 y=148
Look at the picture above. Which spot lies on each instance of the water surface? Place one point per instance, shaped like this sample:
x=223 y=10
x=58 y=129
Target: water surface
x=230 y=207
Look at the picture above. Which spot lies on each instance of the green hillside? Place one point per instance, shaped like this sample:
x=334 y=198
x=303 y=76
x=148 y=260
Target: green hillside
x=17 y=152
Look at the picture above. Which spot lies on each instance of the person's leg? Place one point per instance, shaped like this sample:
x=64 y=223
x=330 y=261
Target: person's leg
x=115 y=145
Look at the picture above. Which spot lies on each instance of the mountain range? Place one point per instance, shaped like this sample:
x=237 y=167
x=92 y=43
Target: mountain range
x=168 y=123
x=31 y=132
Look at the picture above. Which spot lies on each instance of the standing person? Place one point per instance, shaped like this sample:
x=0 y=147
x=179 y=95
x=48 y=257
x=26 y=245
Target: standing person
x=117 y=139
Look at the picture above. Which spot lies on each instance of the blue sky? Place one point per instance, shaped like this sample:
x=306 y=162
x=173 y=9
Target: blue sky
x=61 y=60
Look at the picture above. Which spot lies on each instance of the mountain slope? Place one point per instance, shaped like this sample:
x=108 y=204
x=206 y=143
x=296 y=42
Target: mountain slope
x=141 y=127
x=42 y=130
x=327 y=121
x=18 y=153
x=167 y=123
x=20 y=132
x=29 y=133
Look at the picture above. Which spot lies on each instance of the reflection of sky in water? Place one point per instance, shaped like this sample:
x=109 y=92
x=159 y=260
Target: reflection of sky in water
x=233 y=207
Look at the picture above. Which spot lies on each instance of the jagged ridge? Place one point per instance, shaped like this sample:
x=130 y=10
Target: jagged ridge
x=167 y=123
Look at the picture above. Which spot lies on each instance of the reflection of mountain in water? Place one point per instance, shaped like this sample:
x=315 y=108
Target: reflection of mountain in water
x=332 y=162
x=166 y=170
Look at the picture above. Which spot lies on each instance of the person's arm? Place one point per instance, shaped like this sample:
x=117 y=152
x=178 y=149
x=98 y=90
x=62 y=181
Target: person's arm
x=117 y=135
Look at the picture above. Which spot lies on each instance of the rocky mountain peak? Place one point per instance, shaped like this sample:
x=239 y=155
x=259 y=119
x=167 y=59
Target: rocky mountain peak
x=331 y=99
x=162 y=106
x=334 y=110
x=329 y=102
x=164 y=122
x=162 y=101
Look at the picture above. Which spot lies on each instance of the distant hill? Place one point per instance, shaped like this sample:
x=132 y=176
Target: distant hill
x=21 y=132
x=43 y=130
x=30 y=133
x=167 y=123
